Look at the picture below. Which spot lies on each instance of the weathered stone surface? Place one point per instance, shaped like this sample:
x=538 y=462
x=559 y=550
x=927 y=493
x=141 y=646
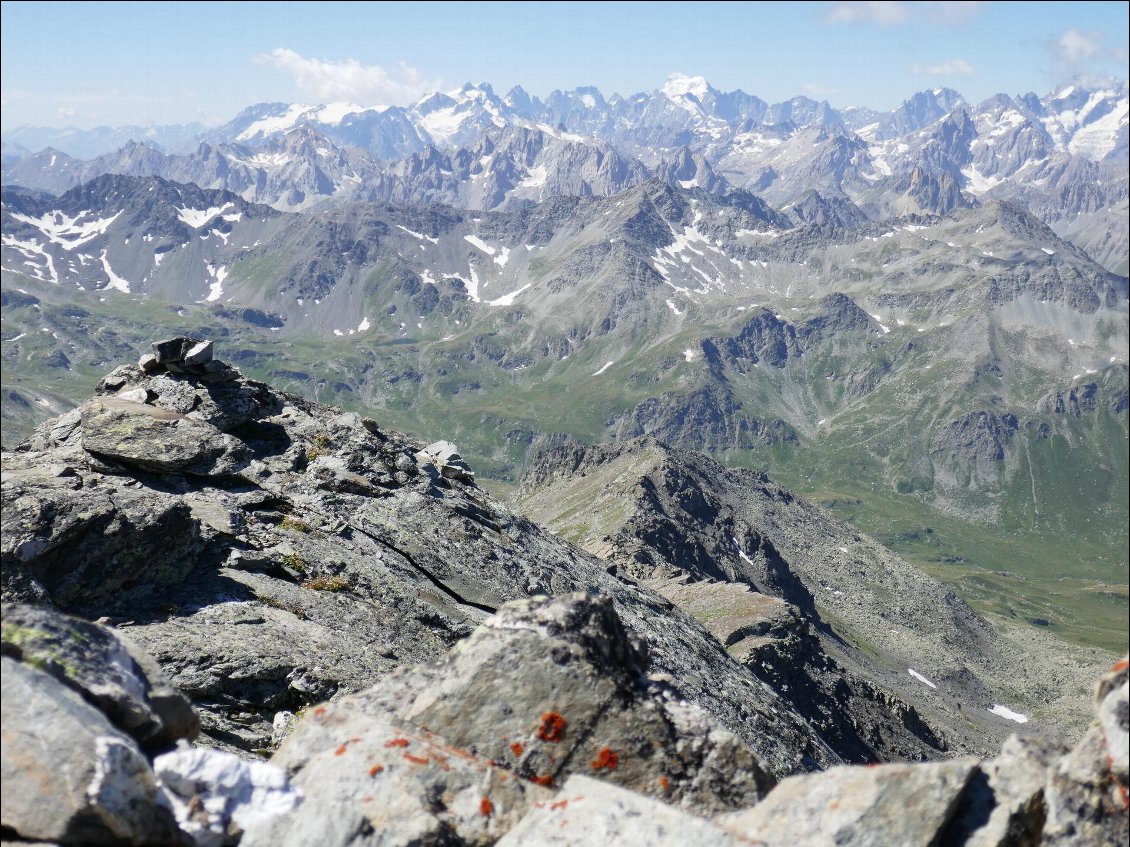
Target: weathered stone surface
x=445 y=458
x=1085 y=804
x=1087 y=795
x=1113 y=713
x=1003 y=803
x=908 y=805
x=199 y=353
x=576 y=701
x=216 y=796
x=105 y=668
x=157 y=440
x=323 y=563
x=86 y=545
x=591 y=813
x=173 y=349
x=368 y=780
x=67 y=775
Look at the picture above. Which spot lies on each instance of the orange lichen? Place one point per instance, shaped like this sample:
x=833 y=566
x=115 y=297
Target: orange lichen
x=397 y=742
x=552 y=727
x=546 y=780
x=607 y=759
x=664 y=783
x=340 y=751
x=320 y=710
x=517 y=749
x=416 y=760
x=486 y=807
x=1121 y=665
x=560 y=804
x=376 y=769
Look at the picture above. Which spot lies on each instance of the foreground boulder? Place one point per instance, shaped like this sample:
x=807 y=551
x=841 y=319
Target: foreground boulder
x=67 y=774
x=590 y=813
x=104 y=668
x=544 y=690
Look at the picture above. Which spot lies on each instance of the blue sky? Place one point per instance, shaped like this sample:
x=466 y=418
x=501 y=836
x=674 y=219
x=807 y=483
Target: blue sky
x=141 y=63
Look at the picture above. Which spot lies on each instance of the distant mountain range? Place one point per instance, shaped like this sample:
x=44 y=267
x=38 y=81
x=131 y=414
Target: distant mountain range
x=917 y=317
x=1062 y=156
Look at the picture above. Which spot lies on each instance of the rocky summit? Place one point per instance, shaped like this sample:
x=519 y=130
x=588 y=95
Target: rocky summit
x=235 y=616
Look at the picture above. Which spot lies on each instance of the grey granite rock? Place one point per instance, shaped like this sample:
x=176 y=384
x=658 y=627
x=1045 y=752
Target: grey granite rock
x=577 y=700
x=69 y=776
x=591 y=813
x=374 y=781
x=908 y=805
x=105 y=668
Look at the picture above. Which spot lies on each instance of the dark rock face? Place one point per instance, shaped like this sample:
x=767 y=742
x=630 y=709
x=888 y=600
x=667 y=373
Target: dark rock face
x=708 y=419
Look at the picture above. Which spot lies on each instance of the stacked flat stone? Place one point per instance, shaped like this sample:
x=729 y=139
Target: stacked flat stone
x=188 y=356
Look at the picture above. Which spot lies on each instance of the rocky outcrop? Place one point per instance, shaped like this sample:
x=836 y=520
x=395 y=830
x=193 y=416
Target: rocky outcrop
x=105 y=668
x=82 y=707
x=315 y=554
x=820 y=612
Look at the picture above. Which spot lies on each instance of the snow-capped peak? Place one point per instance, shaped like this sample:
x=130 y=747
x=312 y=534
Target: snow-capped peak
x=679 y=85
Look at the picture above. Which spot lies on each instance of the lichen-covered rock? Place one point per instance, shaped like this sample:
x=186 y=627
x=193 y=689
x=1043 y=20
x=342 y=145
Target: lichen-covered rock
x=158 y=440
x=557 y=686
x=372 y=781
x=67 y=775
x=105 y=668
x=591 y=813
x=908 y=805
x=1112 y=708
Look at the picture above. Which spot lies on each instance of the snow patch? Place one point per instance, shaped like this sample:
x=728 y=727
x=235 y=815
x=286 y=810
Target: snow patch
x=535 y=178
x=671 y=305
x=196 y=218
x=603 y=368
x=209 y=791
x=1008 y=714
x=418 y=235
x=69 y=232
x=475 y=241
x=115 y=281
x=508 y=299
x=216 y=289
x=919 y=677
x=689 y=354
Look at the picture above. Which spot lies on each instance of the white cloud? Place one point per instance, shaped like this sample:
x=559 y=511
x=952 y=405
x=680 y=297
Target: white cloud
x=350 y=81
x=1076 y=46
x=884 y=14
x=948 y=67
x=818 y=90
x=65 y=112
x=895 y=13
